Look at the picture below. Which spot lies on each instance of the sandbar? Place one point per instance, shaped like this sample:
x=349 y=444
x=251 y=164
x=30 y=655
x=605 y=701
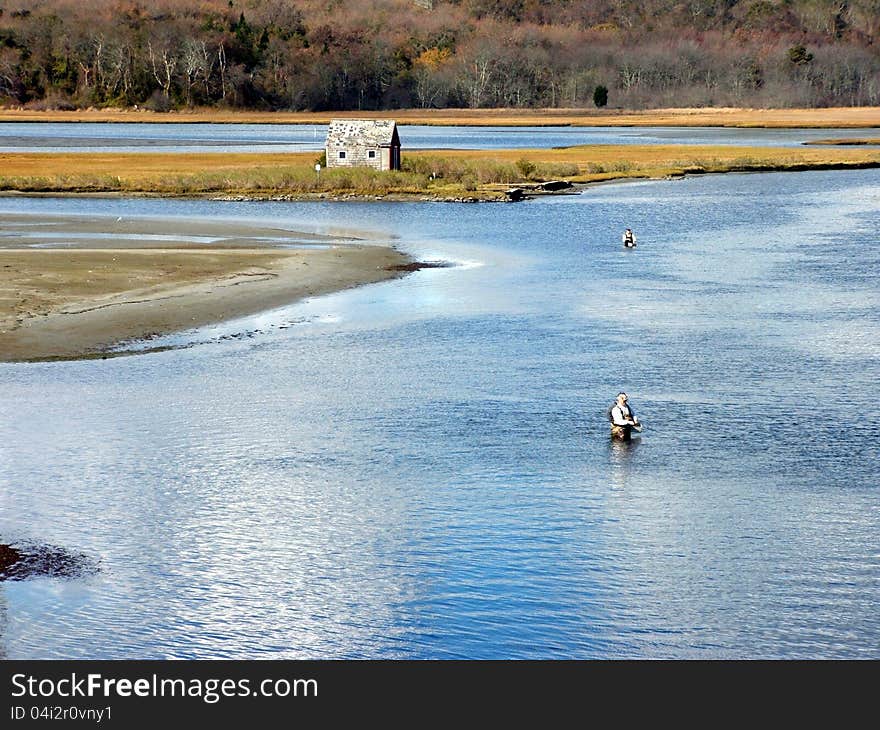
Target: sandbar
x=80 y=297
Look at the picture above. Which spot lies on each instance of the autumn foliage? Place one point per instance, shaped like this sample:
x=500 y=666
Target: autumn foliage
x=381 y=54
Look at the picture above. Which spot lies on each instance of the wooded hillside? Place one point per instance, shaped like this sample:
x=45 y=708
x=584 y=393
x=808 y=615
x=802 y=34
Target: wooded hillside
x=374 y=54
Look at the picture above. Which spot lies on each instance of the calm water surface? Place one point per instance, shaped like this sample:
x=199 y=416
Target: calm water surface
x=139 y=137
x=421 y=468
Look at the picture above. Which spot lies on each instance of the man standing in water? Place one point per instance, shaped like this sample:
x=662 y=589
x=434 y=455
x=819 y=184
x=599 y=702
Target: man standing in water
x=629 y=238
x=623 y=420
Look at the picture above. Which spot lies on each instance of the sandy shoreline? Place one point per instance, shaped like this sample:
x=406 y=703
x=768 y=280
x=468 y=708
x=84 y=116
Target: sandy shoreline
x=78 y=301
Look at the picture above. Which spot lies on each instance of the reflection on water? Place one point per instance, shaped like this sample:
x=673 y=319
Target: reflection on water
x=622 y=454
x=422 y=468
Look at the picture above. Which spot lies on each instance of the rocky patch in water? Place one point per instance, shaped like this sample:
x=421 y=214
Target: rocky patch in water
x=417 y=265
x=31 y=560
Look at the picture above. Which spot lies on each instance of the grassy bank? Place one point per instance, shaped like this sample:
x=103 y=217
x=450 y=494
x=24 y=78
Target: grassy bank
x=851 y=117
x=452 y=174
x=853 y=142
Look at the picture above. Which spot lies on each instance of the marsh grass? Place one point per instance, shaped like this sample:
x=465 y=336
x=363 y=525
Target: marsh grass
x=484 y=173
x=293 y=180
x=451 y=170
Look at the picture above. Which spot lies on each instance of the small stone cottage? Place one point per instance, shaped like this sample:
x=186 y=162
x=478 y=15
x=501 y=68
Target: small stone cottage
x=363 y=143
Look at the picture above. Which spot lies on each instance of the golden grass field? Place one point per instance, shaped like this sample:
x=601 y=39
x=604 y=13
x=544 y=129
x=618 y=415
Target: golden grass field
x=852 y=117
x=443 y=174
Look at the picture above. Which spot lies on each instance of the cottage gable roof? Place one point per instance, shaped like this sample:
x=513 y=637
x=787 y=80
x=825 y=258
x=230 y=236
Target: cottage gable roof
x=370 y=132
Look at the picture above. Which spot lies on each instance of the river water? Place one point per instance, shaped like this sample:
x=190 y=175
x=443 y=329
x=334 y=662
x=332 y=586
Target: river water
x=421 y=468
x=94 y=137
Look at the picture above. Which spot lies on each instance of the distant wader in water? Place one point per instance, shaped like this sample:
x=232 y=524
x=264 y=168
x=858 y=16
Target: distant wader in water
x=629 y=238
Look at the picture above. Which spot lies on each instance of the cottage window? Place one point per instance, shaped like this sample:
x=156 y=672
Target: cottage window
x=372 y=154
x=341 y=154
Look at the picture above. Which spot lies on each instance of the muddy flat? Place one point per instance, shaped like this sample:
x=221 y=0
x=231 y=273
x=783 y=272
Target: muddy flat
x=68 y=289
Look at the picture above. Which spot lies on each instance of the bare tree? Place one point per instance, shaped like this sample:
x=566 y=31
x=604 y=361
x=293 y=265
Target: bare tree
x=164 y=64
x=476 y=69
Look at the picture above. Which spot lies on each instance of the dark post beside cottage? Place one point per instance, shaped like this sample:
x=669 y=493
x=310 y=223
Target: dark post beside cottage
x=363 y=143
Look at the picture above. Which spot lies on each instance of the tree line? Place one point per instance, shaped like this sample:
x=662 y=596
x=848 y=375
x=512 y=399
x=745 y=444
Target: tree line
x=380 y=54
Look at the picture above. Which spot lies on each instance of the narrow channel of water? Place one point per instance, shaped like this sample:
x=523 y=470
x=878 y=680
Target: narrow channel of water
x=138 y=137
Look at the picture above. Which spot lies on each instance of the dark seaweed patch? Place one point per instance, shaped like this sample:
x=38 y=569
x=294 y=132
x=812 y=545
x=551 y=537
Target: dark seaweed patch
x=31 y=560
